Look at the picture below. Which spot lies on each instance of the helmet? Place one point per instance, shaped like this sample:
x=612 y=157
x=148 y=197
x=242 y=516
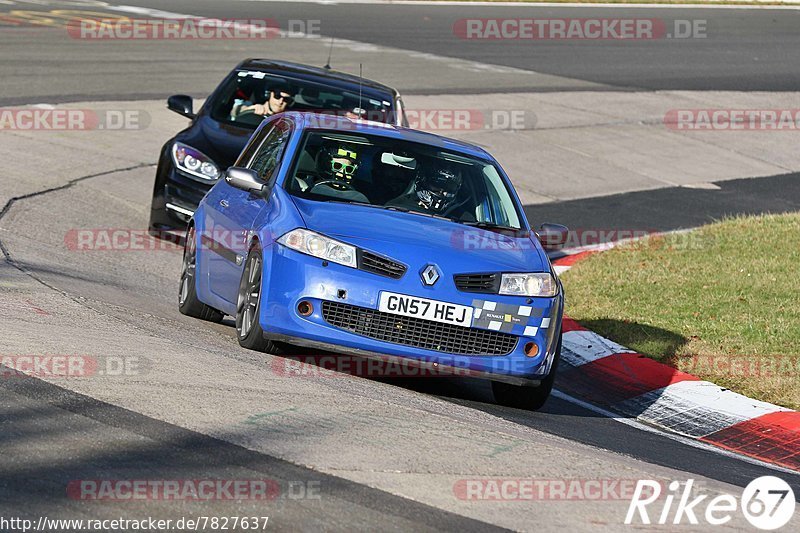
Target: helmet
x=337 y=162
x=437 y=189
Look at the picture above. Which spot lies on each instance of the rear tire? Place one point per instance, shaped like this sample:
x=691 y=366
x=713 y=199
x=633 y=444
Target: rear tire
x=188 y=304
x=528 y=398
x=248 y=306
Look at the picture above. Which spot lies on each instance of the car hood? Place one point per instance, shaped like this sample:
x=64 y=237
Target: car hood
x=417 y=240
x=221 y=142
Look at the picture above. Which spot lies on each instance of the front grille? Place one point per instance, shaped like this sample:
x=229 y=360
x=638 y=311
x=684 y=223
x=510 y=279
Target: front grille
x=486 y=283
x=417 y=332
x=380 y=265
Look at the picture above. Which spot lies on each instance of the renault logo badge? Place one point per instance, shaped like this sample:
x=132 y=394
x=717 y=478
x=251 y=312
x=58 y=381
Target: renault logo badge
x=430 y=275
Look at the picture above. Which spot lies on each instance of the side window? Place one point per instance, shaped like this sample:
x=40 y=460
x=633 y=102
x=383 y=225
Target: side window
x=500 y=203
x=269 y=155
x=248 y=152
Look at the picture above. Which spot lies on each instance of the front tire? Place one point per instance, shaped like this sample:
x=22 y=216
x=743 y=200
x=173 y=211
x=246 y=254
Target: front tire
x=248 y=306
x=528 y=398
x=188 y=304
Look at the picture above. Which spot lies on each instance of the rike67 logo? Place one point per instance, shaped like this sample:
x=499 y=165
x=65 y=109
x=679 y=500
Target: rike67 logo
x=767 y=503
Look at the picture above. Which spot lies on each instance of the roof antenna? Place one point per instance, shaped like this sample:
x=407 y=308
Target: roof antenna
x=330 y=51
x=360 y=82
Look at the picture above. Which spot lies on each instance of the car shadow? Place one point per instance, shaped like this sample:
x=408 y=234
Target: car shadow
x=625 y=384
x=652 y=339
x=669 y=208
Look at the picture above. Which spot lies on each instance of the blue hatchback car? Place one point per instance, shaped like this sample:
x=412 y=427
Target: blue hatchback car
x=378 y=241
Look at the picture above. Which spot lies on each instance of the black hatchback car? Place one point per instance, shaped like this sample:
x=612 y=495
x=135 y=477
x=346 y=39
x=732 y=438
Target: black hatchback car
x=192 y=161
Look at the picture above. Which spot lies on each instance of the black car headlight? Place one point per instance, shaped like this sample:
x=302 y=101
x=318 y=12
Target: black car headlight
x=194 y=162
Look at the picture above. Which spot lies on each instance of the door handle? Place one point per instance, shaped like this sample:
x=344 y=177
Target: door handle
x=224 y=203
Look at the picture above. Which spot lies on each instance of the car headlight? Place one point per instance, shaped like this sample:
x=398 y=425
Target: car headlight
x=194 y=162
x=311 y=243
x=530 y=284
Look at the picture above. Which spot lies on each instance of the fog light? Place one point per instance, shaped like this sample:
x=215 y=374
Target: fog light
x=305 y=308
x=531 y=349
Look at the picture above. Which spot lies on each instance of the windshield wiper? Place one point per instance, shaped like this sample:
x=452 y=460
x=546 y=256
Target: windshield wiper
x=491 y=226
x=482 y=225
x=367 y=204
x=429 y=215
x=392 y=208
x=407 y=210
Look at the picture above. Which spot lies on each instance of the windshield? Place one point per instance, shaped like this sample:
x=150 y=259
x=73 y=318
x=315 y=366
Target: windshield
x=402 y=175
x=251 y=95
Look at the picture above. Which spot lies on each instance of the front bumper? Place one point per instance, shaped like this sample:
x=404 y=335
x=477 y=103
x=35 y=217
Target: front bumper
x=431 y=368
x=291 y=277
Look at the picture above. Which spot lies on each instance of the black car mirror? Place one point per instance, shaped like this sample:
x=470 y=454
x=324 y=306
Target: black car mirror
x=552 y=235
x=181 y=104
x=245 y=179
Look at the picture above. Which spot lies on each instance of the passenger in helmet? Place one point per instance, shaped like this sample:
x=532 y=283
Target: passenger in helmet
x=434 y=191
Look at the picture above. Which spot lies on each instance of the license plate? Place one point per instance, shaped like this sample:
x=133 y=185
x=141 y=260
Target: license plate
x=434 y=310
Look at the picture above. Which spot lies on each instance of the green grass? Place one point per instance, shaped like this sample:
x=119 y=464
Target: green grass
x=721 y=302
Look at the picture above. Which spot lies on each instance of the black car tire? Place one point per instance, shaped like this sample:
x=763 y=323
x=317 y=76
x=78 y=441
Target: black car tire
x=188 y=304
x=248 y=305
x=525 y=397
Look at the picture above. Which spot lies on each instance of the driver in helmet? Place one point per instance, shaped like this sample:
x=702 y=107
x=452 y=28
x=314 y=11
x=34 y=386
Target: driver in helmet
x=336 y=166
x=434 y=191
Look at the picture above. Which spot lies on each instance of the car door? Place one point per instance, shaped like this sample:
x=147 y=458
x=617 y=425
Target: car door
x=232 y=212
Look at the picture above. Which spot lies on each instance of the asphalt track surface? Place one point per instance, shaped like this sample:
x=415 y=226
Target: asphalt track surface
x=753 y=51
x=743 y=50
x=55 y=433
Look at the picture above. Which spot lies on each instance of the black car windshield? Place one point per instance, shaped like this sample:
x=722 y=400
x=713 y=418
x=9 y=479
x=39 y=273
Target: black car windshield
x=402 y=175
x=250 y=95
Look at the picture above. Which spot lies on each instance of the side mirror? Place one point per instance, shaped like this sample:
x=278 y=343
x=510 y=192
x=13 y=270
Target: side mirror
x=181 y=104
x=245 y=179
x=552 y=236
